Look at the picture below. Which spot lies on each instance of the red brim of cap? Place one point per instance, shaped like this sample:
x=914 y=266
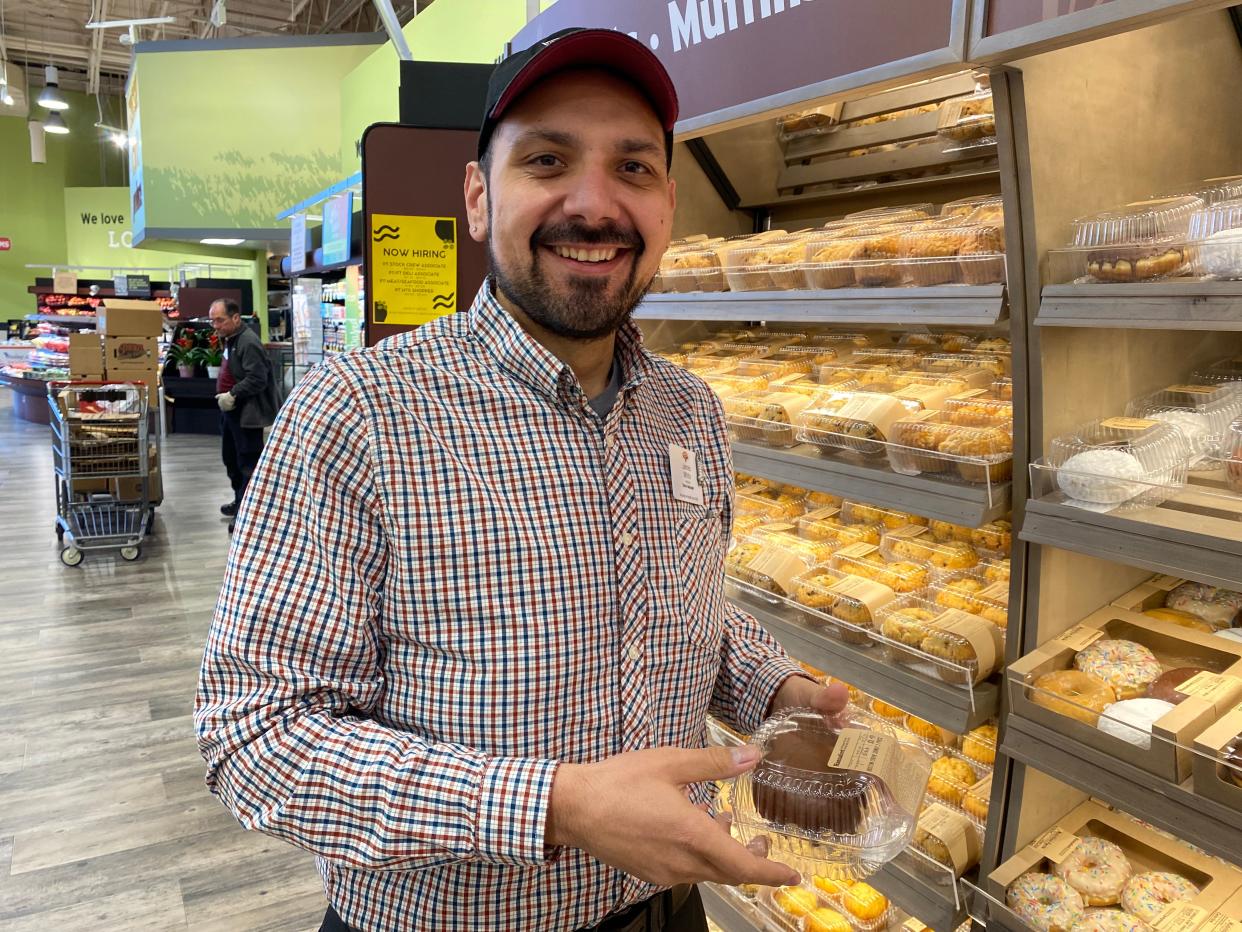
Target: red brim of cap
x=599 y=48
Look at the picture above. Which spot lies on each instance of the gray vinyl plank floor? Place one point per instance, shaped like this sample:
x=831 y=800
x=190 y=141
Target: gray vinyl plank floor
x=105 y=823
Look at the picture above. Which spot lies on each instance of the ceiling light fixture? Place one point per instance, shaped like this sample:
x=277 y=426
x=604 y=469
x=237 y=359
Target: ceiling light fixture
x=51 y=98
x=5 y=97
x=55 y=123
x=221 y=241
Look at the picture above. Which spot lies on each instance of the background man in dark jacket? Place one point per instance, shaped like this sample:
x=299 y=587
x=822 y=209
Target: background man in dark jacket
x=246 y=394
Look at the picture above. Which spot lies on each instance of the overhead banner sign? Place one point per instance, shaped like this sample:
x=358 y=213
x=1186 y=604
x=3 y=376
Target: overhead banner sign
x=731 y=58
x=413 y=269
x=337 y=212
x=297 y=243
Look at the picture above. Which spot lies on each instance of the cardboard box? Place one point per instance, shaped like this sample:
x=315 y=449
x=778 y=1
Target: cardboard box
x=151 y=376
x=1230 y=910
x=1170 y=755
x=1211 y=777
x=1150 y=594
x=90 y=486
x=131 y=353
x=86 y=356
x=130 y=490
x=1146 y=850
x=125 y=317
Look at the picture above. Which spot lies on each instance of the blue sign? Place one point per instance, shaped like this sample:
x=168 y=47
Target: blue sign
x=337 y=213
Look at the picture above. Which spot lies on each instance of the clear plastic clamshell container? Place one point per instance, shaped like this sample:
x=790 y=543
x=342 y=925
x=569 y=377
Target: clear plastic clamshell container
x=791 y=360
x=865 y=261
x=989 y=206
x=1211 y=190
x=770 y=503
x=968 y=120
x=862 y=512
x=953 y=254
x=727 y=386
x=1231 y=455
x=803 y=123
x=976 y=409
x=843 y=605
x=690 y=270
x=1201 y=412
x=773 y=557
x=828 y=524
x=976 y=593
x=776 y=265
x=865 y=561
x=1215 y=237
x=957 y=646
x=842 y=801
x=1119 y=463
x=858 y=422
x=916 y=542
x=929 y=442
x=1226 y=372
x=910 y=213
x=1140 y=241
x=967 y=365
x=770 y=417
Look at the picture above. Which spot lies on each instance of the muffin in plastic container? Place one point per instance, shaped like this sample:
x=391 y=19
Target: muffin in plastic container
x=1140 y=241
x=958 y=647
x=728 y=385
x=841 y=801
x=858 y=422
x=1120 y=463
x=692 y=270
x=910 y=213
x=847 y=377
x=986 y=207
x=768 y=417
x=803 y=123
x=949 y=840
x=714 y=362
x=770 y=266
x=863 y=512
x=999 y=364
x=976 y=409
x=865 y=561
x=1003 y=388
x=968 y=120
x=928 y=253
x=981 y=257
x=772 y=564
x=1201 y=412
x=789 y=360
x=929 y=442
x=974 y=592
x=865 y=261
x=1216 y=237
x=844 y=605
x=771 y=504
x=827 y=524
x=915 y=542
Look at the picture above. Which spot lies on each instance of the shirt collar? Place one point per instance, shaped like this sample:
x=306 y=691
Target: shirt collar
x=530 y=362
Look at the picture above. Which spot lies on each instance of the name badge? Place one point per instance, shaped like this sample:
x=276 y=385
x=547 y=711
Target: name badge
x=683 y=466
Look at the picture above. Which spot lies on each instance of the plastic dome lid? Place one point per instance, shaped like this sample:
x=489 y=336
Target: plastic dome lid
x=1216 y=218
x=1138 y=222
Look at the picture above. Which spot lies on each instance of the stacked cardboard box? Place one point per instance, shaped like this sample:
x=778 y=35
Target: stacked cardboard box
x=128 y=344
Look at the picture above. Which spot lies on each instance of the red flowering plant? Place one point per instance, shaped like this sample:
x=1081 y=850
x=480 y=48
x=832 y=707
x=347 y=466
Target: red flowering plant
x=210 y=350
x=181 y=351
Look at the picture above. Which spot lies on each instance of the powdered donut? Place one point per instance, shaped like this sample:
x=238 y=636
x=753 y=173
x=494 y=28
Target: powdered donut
x=1099 y=477
x=1045 y=902
x=1196 y=430
x=1132 y=721
x=1147 y=894
x=1097 y=869
x=1124 y=665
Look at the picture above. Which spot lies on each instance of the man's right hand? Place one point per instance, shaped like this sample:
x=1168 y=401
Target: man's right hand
x=631 y=812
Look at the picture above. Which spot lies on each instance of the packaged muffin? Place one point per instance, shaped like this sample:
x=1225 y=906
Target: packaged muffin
x=768 y=417
x=854 y=421
x=836 y=800
x=929 y=442
x=973 y=592
x=915 y=542
x=975 y=409
x=862 y=512
x=968 y=120
x=845 y=605
x=865 y=561
x=948 y=838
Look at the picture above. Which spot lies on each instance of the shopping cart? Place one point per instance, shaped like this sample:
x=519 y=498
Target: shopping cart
x=102 y=466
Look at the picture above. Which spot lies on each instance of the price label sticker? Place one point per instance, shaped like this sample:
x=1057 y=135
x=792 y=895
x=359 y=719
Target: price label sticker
x=1129 y=423
x=857 y=551
x=1221 y=923
x=1080 y=637
x=1180 y=917
x=1213 y=687
x=1056 y=844
x=909 y=532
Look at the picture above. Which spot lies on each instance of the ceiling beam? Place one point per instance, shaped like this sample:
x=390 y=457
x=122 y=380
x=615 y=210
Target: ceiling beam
x=341 y=15
x=92 y=62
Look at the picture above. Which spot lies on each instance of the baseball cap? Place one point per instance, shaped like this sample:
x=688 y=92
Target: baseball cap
x=580 y=48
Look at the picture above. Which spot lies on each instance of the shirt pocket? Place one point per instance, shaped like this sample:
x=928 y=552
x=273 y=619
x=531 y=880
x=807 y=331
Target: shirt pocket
x=700 y=567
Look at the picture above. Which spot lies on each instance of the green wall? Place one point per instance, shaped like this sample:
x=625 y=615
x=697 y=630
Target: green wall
x=448 y=30
x=32 y=197
x=230 y=137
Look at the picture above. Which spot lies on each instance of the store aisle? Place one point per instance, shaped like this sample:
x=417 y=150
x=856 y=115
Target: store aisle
x=104 y=819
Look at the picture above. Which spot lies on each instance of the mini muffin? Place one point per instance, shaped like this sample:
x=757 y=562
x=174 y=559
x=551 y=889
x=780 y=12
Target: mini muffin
x=977 y=799
x=825 y=919
x=830 y=886
x=997 y=571
x=796 y=901
x=960 y=594
x=865 y=902
x=907 y=627
x=980 y=744
x=928 y=732
x=944 y=530
x=950 y=778
x=889 y=712
x=996 y=535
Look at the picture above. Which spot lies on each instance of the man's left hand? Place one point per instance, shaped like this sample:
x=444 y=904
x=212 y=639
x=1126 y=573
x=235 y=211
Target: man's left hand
x=801 y=692
x=226 y=401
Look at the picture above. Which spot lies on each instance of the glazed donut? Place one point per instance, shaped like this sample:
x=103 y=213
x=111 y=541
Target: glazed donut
x=1097 y=869
x=1145 y=895
x=1045 y=902
x=1109 y=920
x=1126 y=666
x=1075 y=694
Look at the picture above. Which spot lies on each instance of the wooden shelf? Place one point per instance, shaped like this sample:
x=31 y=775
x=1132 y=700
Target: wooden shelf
x=953 y=305
x=1194 y=535
x=970 y=505
x=1174 y=808
x=1171 y=305
x=951 y=707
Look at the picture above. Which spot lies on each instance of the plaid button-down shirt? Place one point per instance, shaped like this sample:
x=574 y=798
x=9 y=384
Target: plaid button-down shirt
x=448 y=575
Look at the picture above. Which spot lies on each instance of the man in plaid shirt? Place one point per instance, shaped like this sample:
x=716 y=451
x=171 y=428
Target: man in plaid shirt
x=473 y=618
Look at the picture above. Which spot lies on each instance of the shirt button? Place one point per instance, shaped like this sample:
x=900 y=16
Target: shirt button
x=627 y=538
x=635 y=653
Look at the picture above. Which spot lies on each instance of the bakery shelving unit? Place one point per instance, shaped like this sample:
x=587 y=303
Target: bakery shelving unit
x=1093 y=348
x=777 y=191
